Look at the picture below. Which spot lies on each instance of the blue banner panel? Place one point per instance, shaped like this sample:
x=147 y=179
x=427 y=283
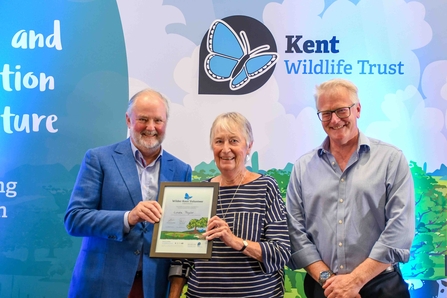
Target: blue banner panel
x=63 y=89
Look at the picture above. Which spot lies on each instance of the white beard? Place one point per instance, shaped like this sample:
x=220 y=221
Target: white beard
x=140 y=141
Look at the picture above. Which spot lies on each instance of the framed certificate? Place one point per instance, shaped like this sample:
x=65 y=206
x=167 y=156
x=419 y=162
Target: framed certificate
x=187 y=207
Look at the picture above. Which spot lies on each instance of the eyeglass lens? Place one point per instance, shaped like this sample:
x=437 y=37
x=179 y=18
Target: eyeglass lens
x=341 y=113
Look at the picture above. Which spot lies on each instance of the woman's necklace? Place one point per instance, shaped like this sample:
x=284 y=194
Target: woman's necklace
x=229 y=205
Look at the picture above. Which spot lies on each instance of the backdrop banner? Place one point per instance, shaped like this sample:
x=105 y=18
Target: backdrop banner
x=68 y=69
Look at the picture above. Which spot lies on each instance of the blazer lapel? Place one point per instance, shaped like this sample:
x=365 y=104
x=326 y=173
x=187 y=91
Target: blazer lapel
x=125 y=163
x=166 y=170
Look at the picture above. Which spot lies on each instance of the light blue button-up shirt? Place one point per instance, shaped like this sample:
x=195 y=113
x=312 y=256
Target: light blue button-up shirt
x=343 y=218
x=149 y=175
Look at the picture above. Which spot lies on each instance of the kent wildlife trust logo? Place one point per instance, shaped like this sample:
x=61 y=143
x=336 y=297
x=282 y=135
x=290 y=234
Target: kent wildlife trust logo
x=238 y=55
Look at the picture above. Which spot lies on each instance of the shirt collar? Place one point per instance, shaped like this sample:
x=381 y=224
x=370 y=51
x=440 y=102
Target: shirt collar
x=139 y=156
x=363 y=145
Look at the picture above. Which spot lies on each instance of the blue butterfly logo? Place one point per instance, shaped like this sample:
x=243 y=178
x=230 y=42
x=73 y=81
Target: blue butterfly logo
x=231 y=59
x=187 y=196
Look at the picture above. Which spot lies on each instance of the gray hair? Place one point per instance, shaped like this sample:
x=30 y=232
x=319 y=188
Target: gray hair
x=232 y=122
x=333 y=86
x=144 y=91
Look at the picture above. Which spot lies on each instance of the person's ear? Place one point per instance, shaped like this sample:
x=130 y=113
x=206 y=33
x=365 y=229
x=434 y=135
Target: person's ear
x=249 y=148
x=359 y=108
x=128 y=121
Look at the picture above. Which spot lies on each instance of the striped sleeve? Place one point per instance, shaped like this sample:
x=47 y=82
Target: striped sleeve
x=276 y=245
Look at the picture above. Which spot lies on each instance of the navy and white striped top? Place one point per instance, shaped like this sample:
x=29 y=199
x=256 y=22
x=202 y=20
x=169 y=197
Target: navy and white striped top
x=256 y=213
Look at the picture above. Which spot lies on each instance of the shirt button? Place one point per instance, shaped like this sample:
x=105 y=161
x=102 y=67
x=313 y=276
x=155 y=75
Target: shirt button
x=342 y=180
x=341 y=267
x=341 y=200
x=340 y=244
x=340 y=221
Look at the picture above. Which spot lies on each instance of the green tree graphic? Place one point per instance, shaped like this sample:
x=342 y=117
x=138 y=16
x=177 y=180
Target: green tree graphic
x=429 y=245
x=282 y=177
x=197 y=223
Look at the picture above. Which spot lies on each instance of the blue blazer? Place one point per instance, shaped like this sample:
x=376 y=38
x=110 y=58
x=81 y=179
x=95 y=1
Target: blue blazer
x=106 y=187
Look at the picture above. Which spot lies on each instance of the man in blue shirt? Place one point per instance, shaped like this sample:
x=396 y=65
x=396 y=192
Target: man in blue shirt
x=350 y=206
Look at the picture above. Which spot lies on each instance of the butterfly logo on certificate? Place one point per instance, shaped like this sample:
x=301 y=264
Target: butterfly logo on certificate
x=231 y=59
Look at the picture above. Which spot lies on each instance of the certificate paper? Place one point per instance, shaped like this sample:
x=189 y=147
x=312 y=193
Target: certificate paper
x=187 y=207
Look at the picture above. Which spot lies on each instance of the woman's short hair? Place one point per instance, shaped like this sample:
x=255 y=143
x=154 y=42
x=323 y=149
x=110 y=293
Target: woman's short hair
x=232 y=122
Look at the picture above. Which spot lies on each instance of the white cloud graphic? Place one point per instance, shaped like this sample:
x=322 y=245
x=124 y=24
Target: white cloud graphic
x=152 y=53
x=434 y=84
x=413 y=127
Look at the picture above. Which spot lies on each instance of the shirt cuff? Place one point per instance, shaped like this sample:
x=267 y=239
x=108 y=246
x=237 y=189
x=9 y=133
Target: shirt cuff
x=385 y=254
x=303 y=258
x=126 y=223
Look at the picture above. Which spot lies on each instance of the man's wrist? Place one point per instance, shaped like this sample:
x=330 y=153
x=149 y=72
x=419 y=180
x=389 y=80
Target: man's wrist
x=324 y=276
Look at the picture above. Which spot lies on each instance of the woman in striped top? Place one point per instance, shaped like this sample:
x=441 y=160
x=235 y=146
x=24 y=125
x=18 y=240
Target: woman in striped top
x=249 y=232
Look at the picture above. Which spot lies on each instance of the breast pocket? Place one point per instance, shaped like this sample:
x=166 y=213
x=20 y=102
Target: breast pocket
x=248 y=225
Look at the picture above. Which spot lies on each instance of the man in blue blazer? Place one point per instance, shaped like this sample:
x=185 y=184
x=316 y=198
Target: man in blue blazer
x=114 y=206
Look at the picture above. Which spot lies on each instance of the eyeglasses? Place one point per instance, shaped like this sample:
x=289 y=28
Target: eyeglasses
x=341 y=113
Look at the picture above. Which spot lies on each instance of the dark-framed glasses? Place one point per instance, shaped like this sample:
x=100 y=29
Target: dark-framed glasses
x=341 y=113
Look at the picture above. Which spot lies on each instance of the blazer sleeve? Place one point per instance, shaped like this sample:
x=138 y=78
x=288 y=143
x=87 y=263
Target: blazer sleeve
x=86 y=215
